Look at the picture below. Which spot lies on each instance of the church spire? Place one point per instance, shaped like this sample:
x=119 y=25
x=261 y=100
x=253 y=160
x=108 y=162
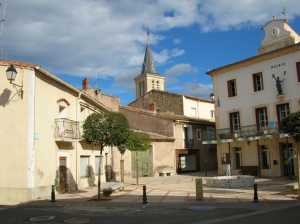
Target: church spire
x=148 y=65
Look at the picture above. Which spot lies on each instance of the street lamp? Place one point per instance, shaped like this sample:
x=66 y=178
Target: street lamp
x=11 y=74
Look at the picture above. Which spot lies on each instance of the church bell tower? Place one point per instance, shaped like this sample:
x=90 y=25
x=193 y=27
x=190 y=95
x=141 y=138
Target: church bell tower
x=148 y=79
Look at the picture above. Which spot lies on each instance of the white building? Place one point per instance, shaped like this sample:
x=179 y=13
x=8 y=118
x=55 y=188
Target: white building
x=252 y=96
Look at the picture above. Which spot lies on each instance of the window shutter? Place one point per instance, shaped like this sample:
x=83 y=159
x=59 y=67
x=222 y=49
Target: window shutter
x=234 y=88
x=257 y=119
x=254 y=82
x=228 y=88
x=267 y=119
x=298 y=70
x=262 y=81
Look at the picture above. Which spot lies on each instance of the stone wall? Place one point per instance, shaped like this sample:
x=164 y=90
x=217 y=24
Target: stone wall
x=164 y=102
x=148 y=122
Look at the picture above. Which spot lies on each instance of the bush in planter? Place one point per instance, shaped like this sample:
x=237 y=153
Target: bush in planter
x=107 y=191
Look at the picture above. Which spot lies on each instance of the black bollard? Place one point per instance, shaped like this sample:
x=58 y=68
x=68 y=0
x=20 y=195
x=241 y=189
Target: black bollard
x=53 y=193
x=144 y=195
x=255 y=196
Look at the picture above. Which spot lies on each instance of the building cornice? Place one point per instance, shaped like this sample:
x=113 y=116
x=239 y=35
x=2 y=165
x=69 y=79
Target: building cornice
x=255 y=59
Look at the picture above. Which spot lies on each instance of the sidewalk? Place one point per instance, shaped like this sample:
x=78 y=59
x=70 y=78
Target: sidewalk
x=181 y=189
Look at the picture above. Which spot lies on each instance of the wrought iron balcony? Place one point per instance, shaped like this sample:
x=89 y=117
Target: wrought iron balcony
x=66 y=129
x=248 y=132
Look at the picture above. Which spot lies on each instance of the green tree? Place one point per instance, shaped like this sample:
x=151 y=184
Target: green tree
x=138 y=142
x=119 y=130
x=97 y=131
x=291 y=126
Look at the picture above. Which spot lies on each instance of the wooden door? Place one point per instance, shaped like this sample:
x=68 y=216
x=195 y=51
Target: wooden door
x=63 y=174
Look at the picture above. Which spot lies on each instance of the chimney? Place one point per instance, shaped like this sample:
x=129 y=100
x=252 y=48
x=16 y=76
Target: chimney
x=85 y=84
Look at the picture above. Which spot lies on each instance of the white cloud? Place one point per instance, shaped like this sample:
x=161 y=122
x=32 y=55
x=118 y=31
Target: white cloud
x=181 y=69
x=107 y=37
x=197 y=89
x=176 y=41
x=165 y=55
x=226 y=14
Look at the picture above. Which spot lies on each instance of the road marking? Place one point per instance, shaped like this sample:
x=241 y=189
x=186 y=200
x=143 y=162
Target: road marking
x=234 y=217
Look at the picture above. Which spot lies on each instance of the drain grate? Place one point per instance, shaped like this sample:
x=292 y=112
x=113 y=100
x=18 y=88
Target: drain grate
x=76 y=220
x=41 y=218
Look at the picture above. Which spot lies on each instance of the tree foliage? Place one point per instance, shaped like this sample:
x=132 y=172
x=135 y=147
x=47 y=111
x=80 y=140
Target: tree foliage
x=119 y=130
x=96 y=129
x=291 y=125
x=138 y=141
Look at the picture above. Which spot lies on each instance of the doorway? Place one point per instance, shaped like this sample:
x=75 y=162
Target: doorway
x=287 y=159
x=63 y=181
x=142 y=163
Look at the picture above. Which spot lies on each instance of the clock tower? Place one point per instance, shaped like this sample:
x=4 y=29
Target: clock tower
x=278 y=34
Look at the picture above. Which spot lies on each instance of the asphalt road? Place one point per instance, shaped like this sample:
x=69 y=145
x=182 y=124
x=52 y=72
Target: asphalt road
x=194 y=214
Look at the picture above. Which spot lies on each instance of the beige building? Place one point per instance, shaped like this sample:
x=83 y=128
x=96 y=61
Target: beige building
x=171 y=152
x=252 y=96
x=172 y=116
x=41 y=118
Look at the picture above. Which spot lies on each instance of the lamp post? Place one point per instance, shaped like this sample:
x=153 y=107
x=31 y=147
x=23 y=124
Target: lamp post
x=11 y=74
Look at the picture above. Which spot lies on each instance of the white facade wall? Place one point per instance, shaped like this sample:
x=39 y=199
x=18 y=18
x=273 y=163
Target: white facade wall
x=198 y=109
x=247 y=100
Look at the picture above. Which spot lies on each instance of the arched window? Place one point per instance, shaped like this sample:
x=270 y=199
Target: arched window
x=63 y=105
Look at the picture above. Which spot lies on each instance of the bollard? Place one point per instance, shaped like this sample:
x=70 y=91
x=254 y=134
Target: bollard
x=144 y=195
x=255 y=196
x=53 y=193
x=199 y=189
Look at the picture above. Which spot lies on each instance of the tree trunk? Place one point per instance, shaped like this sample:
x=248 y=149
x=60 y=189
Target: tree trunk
x=99 y=175
x=298 y=160
x=122 y=169
x=137 y=168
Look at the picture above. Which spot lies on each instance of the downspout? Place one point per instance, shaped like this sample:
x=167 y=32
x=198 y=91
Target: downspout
x=77 y=141
x=31 y=90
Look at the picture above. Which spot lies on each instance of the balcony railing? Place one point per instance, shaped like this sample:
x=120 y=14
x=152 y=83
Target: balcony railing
x=66 y=129
x=245 y=132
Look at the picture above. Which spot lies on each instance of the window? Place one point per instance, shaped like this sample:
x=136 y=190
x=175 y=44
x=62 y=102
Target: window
x=84 y=163
x=234 y=121
x=153 y=85
x=261 y=118
x=237 y=158
x=258 y=83
x=158 y=84
x=283 y=110
x=264 y=157
x=231 y=86
x=97 y=163
x=298 y=71
x=194 y=111
x=212 y=114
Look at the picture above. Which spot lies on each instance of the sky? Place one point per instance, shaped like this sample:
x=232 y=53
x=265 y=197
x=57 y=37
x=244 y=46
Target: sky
x=104 y=40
